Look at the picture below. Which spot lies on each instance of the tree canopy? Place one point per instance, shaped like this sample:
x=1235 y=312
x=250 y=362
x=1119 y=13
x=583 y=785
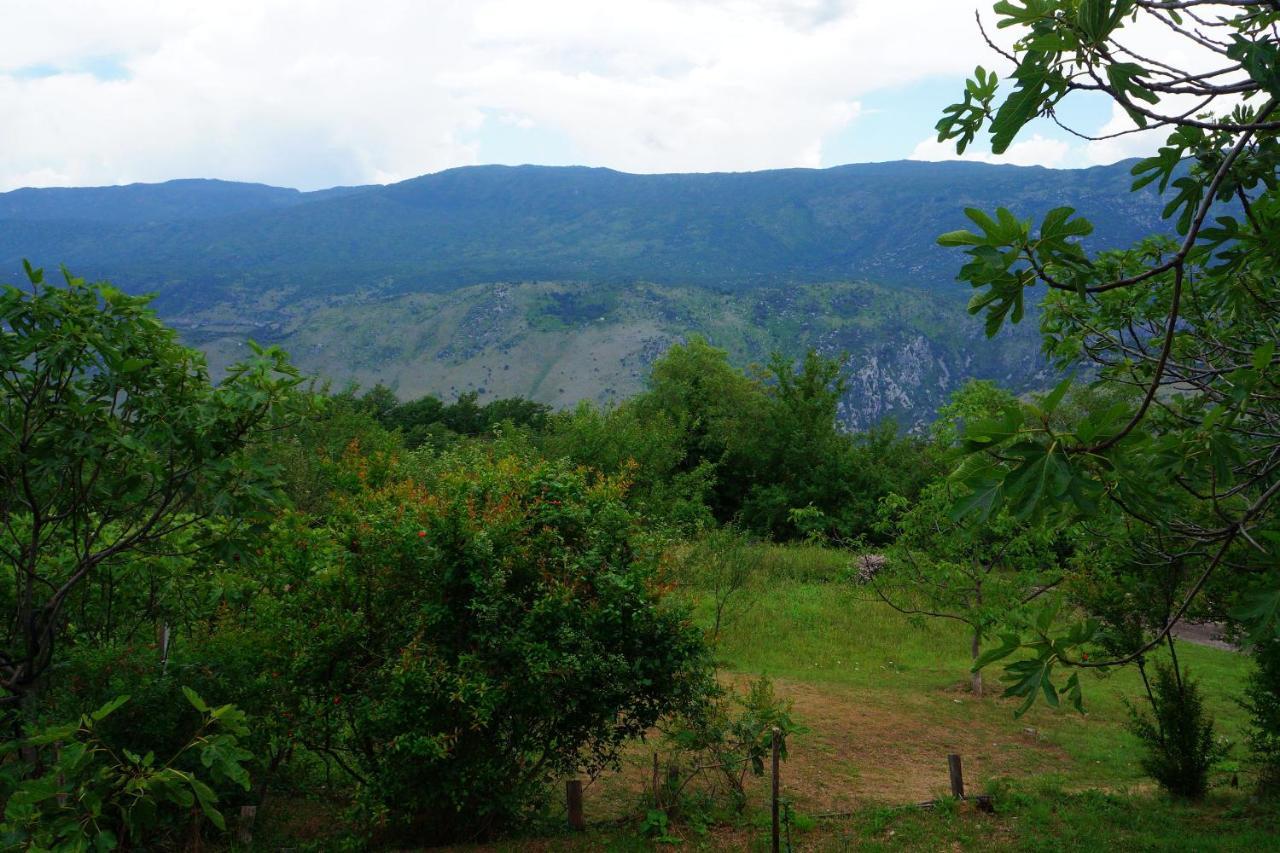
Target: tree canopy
x=1186 y=469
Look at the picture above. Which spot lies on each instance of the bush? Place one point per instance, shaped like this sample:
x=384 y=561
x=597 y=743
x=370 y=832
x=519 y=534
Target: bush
x=83 y=792
x=725 y=739
x=1178 y=736
x=1262 y=701
x=467 y=636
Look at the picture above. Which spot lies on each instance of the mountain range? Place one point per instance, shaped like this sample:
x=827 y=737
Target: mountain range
x=564 y=283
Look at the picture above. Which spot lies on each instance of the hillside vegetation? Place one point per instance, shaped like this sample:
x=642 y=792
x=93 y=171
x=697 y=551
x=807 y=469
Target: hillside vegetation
x=563 y=284
x=904 y=350
x=199 y=243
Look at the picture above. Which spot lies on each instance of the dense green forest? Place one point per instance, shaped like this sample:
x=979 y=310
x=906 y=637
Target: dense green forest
x=264 y=612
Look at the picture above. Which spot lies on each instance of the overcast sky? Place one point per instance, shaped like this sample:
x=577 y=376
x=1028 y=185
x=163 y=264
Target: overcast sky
x=316 y=93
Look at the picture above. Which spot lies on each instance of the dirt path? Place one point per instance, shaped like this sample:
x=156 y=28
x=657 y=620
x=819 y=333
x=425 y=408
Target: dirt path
x=1204 y=634
x=863 y=749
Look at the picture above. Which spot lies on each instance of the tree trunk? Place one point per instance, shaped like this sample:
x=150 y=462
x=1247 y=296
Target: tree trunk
x=975 y=649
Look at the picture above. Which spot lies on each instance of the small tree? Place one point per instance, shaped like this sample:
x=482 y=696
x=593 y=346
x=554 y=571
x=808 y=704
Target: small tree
x=723 y=563
x=978 y=575
x=1178 y=735
x=112 y=439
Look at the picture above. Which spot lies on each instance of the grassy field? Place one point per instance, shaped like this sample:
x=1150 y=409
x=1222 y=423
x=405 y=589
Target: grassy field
x=885 y=698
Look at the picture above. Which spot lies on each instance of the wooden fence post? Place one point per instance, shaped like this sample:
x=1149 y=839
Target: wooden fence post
x=957 y=776
x=244 y=830
x=573 y=793
x=657 y=795
x=777 y=749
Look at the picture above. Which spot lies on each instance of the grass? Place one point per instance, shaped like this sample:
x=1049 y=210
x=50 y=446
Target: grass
x=885 y=699
x=1027 y=820
x=805 y=623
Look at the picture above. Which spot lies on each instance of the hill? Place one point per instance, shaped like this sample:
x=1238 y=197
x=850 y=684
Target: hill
x=560 y=283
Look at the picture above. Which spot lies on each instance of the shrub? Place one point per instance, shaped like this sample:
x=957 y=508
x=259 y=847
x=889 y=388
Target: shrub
x=468 y=636
x=1177 y=735
x=1262 y=701
x=725 y=739
x=83 y=792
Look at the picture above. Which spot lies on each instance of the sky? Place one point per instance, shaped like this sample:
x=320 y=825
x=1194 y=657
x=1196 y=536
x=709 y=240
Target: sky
x=318 y=93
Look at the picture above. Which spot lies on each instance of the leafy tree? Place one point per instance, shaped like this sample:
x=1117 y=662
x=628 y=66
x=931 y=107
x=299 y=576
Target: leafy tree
x=722 y=564
x=1188 y=320
x=644 y=447
x=429 y=421
x=795 y=452
x=517 y=411
x=981 y=575
x=709 y=402
x=112 y=441
x=457 y=639
x=380 y=401
x=771 y=441
x=308 y=452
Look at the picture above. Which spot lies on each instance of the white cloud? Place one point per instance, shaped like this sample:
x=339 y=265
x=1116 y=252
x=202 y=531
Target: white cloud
x=324 y=92
x=1036 y=150
x=318 y=92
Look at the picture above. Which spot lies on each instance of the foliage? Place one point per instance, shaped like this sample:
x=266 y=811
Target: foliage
x=310 y=453
x=429 y=421
x=726 y=739
x=1262 y=701
x=112 y=440
x=94 y=795
x=981 y=575
x=463 y=636
x=1178 y=735
x=648 y=449
x=1187 y=469
x=722 y=562
x=780 y=464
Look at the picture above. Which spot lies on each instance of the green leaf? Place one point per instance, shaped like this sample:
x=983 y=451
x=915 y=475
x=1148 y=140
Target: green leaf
x=961 y=237
x=35 y=275
x=1022 y=105
x=108 y=709
x=1049 y=404
x=1011 y=643
x=207 y=799
x=195 y=700
x=986 y=494
x=1258 y=612
x=1262 y=356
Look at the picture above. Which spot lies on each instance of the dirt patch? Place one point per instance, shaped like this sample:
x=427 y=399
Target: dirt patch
x=863 y=749
x=1209 y=634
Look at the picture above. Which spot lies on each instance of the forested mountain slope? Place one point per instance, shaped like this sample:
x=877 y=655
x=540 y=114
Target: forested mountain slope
x=560 y=283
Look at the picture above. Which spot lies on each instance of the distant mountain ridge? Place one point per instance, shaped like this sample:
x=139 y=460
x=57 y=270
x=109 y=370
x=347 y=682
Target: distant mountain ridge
x=229 y=259
x=141 y=204
x=495 y=223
